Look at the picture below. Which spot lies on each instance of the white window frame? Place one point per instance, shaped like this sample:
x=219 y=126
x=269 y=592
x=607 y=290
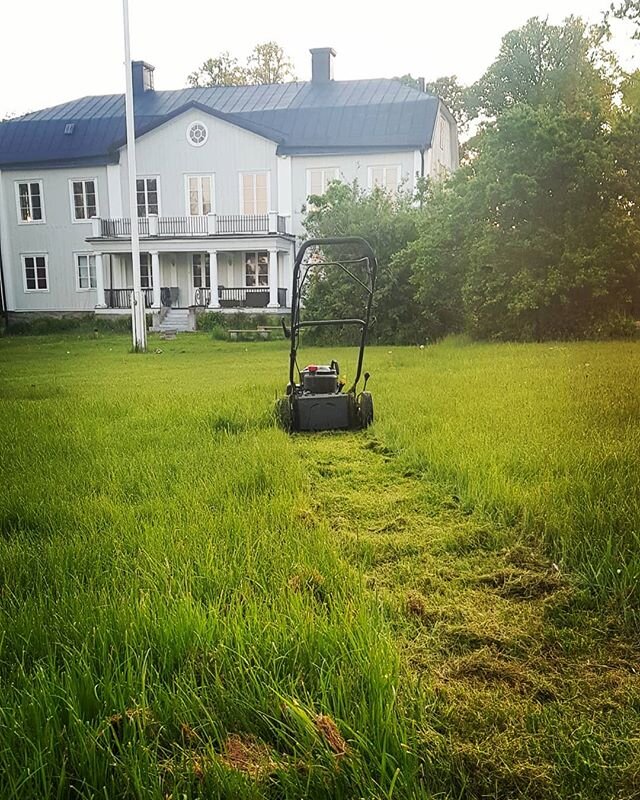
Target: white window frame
x=205 y=270
x=72 y=199
x=255 y=253
x=241 y=175
x=443 y=126
x=148 y=269
x=385 y=167
x=17 y=191
x=76 y=257
x=203 y=125
x=325 y=182
x=155 y=178
x=187 y=199
x=23 y=257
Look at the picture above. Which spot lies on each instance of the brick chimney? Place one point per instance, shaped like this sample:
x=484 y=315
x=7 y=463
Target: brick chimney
x=322 y=64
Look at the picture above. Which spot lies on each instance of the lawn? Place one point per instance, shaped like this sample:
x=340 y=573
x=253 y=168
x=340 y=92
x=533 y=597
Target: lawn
x=194 y=604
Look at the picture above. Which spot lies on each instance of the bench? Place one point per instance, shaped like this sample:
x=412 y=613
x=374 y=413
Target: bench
x=262 y=332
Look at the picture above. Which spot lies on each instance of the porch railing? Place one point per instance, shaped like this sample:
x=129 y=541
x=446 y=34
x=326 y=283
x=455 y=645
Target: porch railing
x=121 y=298
x=239 y=297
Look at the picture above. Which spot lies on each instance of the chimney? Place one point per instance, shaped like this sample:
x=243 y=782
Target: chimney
x=142 y=77
x=322 y=64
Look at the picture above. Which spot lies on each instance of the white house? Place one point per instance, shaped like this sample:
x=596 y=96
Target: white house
x=223 y=176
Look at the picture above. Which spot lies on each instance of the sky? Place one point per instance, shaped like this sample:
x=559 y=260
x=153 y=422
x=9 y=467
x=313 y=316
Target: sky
x=52 y=51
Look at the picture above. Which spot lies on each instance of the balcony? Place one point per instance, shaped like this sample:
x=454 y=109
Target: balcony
x=193 y=227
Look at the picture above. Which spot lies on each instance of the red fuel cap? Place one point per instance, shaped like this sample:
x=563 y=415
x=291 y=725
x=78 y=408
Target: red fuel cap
x=312 y=368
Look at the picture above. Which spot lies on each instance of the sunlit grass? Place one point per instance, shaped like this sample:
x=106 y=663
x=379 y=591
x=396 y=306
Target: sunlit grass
x=171 y=575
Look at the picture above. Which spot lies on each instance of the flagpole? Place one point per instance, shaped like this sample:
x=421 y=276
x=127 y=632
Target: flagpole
x=138 y=315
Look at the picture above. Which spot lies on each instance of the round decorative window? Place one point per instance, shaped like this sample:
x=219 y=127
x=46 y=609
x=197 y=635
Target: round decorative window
x=197 y=134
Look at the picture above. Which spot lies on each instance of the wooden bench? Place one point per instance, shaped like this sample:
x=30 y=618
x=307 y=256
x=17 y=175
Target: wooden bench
x=262 y=332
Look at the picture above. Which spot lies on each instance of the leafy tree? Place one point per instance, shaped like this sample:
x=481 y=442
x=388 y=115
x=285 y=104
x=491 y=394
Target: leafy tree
x=267 y=63
x=223 y=70
x=388 y=222
x=630 y=91
x=553 y=65
x=629 y=9
x=539 y=228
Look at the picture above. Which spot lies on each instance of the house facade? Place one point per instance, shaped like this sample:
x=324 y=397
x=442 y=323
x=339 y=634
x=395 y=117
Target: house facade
x=224 y=174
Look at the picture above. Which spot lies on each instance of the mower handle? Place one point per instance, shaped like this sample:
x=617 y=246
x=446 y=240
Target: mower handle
x=296 y=323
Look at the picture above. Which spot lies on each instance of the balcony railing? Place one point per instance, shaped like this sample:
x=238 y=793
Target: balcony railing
x=121 y=298
x=239 y=297
x=114 y=228
x=196 y=226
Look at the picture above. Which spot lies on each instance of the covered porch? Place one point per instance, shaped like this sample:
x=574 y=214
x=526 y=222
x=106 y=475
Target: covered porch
x=249 y=276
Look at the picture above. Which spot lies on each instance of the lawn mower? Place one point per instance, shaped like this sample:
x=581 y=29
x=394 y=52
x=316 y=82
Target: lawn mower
x=318 y=400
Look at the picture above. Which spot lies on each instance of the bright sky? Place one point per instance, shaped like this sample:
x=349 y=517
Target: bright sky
x=56 y=50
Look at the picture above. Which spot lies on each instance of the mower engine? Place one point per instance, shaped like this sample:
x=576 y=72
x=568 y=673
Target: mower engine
x=319 y=379
x=319 y=403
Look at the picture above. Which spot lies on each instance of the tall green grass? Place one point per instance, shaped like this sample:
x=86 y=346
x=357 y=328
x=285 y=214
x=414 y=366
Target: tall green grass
x=160 y=572
x=167 y=579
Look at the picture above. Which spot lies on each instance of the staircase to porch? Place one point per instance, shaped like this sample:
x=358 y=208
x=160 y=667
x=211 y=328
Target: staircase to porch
x=176 y=319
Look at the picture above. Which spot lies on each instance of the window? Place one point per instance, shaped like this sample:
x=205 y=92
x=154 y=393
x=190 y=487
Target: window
x=254 y=192
x=197 y=134
x=256 y=268
x=84 y=201
x=146 y=276
x=318 y=180
x=147 y=193
x=29 y=201
x=85 y=271
x=443 y=134
x=387 y=178
x=199 y=195
x=200 y=270
x=36 y=272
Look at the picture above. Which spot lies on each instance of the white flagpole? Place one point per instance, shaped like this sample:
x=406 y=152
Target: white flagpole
x=138 y=316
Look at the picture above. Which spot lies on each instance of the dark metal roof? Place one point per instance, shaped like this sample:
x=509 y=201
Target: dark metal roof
x=301 y=117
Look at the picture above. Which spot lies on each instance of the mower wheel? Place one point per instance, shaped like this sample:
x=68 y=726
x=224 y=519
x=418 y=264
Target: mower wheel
x=366 y=409
x=284 y=413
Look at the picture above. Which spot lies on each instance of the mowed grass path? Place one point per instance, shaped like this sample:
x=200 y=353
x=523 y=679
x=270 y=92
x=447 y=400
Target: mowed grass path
x=194 y=604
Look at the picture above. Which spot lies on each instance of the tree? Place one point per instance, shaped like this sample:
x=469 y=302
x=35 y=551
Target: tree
x=553 y=65
x=630 y=10
x=539 y=228
x=267 y=63
x=223 y=70
x=388 y=222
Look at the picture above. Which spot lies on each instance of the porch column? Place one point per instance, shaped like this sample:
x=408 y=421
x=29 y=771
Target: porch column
x=100 y=301
x=273 y=279
x=214 y=301
x=155 y=277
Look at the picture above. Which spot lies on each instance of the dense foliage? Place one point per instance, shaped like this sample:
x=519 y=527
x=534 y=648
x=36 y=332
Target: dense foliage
x=388 y=222
x=537 y=236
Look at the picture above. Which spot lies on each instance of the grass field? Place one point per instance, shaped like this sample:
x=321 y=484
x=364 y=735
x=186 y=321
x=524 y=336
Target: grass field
x=193 y=604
